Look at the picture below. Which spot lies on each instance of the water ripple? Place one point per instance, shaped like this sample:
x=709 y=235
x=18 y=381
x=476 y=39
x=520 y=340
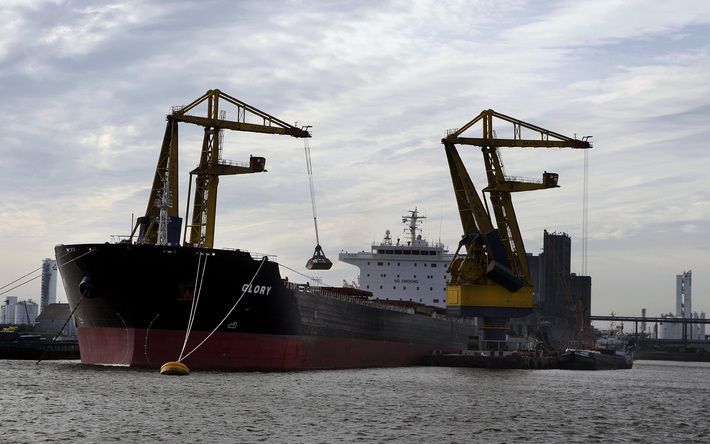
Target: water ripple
x=656 y=402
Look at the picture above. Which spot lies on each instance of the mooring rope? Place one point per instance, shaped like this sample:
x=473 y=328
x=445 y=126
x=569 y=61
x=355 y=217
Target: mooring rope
x=228 y=313
x=20 y=278
x=61 y=329
x=36 y=277
x=76 y=258
x=310 y=278
x=199 y=279
x=20 y=285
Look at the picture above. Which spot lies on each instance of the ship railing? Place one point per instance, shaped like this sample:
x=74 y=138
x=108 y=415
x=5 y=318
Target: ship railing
x=260 y=256
x=255 y=256
x=522 y=179
x=458 y=320
x=231 y=162
x=343 y=297
x=119 y=238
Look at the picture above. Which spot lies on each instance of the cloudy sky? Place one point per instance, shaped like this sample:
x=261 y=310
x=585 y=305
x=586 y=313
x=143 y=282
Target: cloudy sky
x=86 y=86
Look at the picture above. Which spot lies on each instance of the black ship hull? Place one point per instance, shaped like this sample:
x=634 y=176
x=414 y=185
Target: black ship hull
x=134 y=302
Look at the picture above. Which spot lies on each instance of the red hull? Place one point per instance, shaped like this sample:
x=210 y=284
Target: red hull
x=244 y=351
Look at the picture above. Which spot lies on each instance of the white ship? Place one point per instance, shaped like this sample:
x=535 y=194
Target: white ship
x=409 y=270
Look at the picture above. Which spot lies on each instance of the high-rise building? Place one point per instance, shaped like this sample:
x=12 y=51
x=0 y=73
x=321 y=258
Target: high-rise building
x=562 y=299
x=683 y=309
x=683 y=295
x=49 y=283
x=555 y=271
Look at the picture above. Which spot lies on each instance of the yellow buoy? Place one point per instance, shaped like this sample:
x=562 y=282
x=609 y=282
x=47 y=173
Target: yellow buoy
x=174 y=368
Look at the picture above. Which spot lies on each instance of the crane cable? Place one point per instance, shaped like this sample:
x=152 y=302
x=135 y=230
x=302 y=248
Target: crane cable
x=585 y=213
x=309 y=167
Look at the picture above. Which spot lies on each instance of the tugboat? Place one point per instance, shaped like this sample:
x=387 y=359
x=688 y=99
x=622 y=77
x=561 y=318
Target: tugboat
x=611 y=353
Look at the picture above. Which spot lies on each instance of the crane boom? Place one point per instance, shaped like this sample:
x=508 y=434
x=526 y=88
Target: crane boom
x=492 y=279
x=210 y=168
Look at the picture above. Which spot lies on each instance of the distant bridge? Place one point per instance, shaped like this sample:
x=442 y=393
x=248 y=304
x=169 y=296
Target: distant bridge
x=650 y=320
x=643 y=319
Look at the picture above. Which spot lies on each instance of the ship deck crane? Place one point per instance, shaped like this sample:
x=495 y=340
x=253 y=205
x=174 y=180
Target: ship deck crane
x=161 y=223
x=492 y=279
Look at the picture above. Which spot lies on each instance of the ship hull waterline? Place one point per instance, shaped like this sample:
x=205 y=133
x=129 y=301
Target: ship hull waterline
x=243 y=351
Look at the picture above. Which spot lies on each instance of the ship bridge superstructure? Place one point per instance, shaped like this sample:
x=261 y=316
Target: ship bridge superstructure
x=408 y=268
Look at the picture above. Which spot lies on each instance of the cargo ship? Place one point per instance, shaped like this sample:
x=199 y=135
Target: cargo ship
x=149 y=298
x=137 y=299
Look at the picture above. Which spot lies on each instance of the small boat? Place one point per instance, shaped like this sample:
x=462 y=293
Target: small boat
x=611 y=353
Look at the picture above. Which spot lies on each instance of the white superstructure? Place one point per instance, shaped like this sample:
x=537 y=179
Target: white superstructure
x=404 y=270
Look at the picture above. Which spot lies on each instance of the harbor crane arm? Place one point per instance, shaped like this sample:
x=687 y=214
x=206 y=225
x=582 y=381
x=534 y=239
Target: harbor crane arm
x=493 y=280
x=161 y=223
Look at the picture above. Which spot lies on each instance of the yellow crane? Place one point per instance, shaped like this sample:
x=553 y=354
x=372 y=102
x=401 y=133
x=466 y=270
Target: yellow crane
x=161 y=223
x=492 y=279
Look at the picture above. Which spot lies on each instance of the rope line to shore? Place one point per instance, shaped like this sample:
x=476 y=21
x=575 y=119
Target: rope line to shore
x=61 y=330
x=76 y=258
x=36 y=277
x=229 y=313
x=20 y=285
x=195 y=300
x=310 y=278
x=19 y=278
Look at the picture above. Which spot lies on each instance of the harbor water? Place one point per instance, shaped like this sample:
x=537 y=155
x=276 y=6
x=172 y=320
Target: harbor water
x=65 y=401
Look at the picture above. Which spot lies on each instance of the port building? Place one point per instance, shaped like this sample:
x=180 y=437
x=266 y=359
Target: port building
x=52 y=318
x=13 y=312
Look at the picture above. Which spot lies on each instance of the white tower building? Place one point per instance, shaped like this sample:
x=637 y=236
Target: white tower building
x=683 y=295
x=684 y=302
x=49 y=283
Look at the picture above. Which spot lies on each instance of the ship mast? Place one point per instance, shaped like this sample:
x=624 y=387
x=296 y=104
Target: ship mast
x=413 y=220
